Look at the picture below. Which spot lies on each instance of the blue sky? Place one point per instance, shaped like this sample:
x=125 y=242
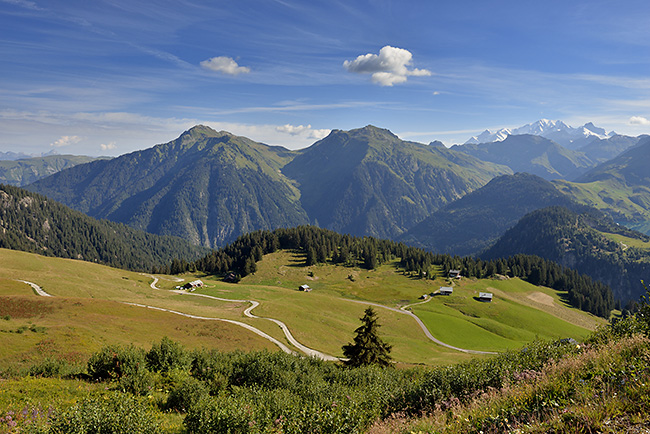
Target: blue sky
x=106 y=77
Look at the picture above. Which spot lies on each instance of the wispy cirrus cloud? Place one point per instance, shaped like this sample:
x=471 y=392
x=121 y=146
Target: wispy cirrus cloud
x=389 y=67
x=224 y=65
x=24 y=4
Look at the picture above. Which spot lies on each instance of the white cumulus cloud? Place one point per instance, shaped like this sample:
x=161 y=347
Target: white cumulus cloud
x=302 y=130
x=389 y=67
x=639 y=120
x=107 y=146
x=65 y=141
x=224 y=65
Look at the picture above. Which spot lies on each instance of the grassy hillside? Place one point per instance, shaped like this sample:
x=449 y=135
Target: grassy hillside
x=628 y=205
x=85 y=313
x=259 y=391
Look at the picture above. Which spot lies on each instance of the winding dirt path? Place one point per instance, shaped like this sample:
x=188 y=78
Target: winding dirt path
x=36 y=288
x=257 y=331
x=403 y=310
x=287 y=333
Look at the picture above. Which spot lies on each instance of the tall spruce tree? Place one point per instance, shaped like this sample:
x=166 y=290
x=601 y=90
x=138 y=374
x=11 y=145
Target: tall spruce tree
x=368 y=348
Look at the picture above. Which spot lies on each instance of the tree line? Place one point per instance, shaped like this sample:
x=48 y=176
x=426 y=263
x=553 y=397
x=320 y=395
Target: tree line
x=240 y=258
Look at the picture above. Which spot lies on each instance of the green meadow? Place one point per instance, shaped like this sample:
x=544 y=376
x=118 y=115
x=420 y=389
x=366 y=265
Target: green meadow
x=88 y=310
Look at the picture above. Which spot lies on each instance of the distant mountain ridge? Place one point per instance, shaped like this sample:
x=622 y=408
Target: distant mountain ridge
x=558 y=131
x=532 y=154
x=472 y=223
x=21 y=155
x=21 y=172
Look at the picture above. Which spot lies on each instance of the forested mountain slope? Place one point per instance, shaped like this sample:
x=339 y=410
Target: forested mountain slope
x=585 y=241
x=33 y=223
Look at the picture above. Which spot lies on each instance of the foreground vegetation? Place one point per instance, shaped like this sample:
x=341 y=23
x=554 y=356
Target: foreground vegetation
x=601 y=385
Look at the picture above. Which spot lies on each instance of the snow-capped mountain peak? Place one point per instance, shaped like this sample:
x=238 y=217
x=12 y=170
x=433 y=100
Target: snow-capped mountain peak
x=557 y=131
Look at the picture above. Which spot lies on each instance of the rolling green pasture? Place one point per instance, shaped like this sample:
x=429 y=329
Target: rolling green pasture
x=87 y=312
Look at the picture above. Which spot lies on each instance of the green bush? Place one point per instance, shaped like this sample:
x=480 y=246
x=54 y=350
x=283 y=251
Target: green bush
x=115 y=362
x=186 y=395
x=52 y=367
x=138 y=383
x=167 y=355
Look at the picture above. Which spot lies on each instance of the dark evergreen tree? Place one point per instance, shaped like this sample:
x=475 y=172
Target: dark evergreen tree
x=368 y=348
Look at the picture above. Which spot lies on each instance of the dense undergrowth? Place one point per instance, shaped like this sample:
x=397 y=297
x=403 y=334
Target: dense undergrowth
x=545 y=387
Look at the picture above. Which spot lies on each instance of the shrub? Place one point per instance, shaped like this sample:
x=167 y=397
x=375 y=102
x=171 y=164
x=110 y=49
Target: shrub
x=114 y=362
x=186 y=394
x=167 y=355
x=52 y=367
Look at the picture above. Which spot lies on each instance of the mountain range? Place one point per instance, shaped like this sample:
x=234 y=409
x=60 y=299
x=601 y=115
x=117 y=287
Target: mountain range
x=557 y=131
x=210 y=187
x=475 y=221
x=532 y=154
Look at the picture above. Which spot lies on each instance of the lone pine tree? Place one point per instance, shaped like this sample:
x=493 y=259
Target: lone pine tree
x=368 y=348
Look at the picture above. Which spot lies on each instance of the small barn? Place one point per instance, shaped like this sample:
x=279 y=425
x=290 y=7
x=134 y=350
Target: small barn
x=454 y=274
x=230 y=277
x=305 y=288
x=485 y=297
x=446 y=290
